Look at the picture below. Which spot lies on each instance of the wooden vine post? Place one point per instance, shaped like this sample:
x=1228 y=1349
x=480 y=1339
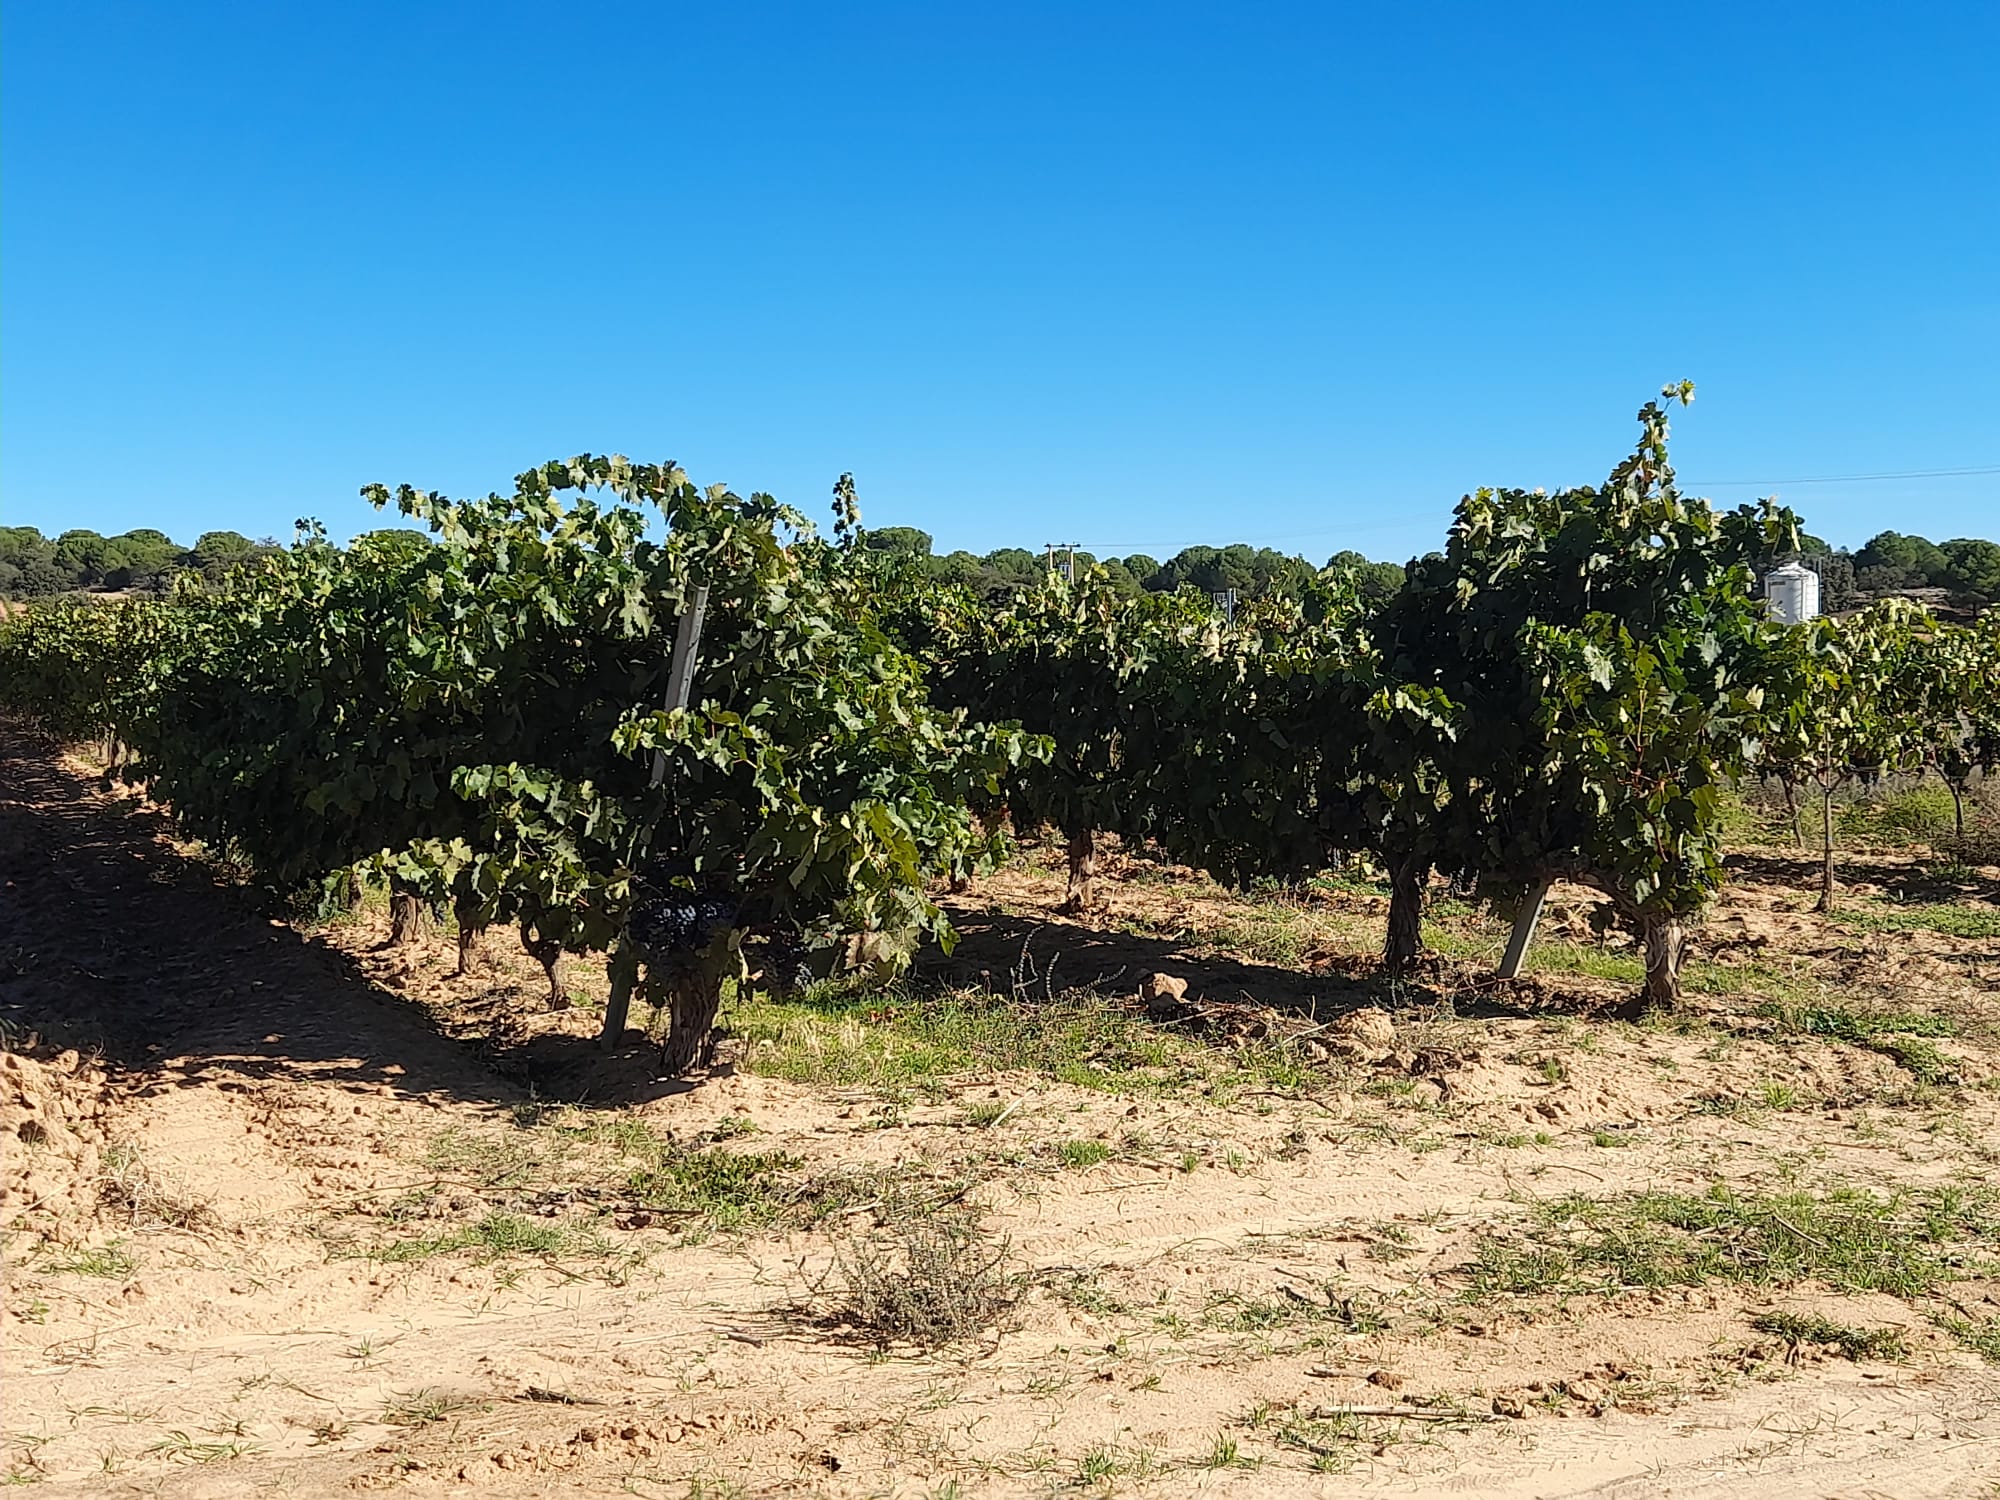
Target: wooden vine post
x=680 y=689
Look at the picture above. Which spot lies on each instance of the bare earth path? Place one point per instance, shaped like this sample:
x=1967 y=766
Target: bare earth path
x=208 y=1114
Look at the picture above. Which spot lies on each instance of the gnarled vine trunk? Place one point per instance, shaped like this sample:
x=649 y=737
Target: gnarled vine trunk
x=1082 y=871
x=1665 y=943
x=693 y=997
x=409 y=916
x=1405 y=939
x=470 y=930
x=548 y=953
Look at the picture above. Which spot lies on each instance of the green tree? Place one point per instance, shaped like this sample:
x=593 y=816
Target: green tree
x=84 y=555
x=1891 y=560
x=898 y=539
x=141 y=558
x=1973 y=569
x=1372 y=580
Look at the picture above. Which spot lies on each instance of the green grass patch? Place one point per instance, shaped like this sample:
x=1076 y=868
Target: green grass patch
x=1940 y=917
x=1289 y=1307
x=1853 y=1343
x=1982 y=1337
x=111 y=1260
x=496 y=1237
x=1848 y=1238
x=561 y=1158
x=1903 y=816
x=1861 y=1027
x=898 y=1040
x=1081 y=1154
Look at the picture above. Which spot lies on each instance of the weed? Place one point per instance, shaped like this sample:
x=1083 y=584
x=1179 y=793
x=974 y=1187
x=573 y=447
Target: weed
x=146 y=1199
x=1853 y=1343
x=1102 y=1463
x=930 y=1276
x=1859 y=1027
x=1086 y=1293
x=1235 y=1313
x=110 y=1259
x=1776 y=1094
x=493 y=1237
x=986 y=1113
x=1081 y=1154
x=1335 y=1441
x=1391 y=1242
x=180 y=1445
x=420 y=1408
x=1982 y=1337
x=923 y=1040
x=1922 y=1057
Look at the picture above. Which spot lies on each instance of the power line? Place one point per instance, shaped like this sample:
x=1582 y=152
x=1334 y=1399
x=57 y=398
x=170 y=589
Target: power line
x=1853 y=478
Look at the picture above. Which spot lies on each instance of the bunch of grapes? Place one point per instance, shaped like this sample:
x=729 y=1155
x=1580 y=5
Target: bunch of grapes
x=676 y=922
x=669 y=919
x=786 y=967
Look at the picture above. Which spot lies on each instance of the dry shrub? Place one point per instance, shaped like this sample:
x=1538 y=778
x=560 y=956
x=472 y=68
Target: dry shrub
x=146 y=1199
x=930 y=1275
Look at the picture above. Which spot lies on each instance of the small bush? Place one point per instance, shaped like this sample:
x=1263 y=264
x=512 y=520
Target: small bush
x=930 y=1276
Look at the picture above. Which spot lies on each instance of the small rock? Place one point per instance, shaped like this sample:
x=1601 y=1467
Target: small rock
x=1366 y=1035
x=1389 y=1380
x=1509 y=1406
x=1163 y=994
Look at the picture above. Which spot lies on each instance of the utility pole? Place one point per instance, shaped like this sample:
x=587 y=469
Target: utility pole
x=1069 y=568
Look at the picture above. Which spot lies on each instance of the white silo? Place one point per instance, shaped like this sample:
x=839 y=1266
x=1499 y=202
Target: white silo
x=1791 y=593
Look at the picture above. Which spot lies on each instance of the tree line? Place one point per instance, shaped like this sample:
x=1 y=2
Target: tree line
x=1249 y=572
x=1891 y=563
x=34 y=566
x=1967 y=569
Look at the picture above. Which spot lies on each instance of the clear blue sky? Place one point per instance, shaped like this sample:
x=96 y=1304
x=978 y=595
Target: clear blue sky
x=1131 y=275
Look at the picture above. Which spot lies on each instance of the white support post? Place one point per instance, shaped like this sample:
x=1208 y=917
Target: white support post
x=1524 y=930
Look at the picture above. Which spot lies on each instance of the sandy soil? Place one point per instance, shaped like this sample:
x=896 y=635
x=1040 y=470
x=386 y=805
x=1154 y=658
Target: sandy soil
x=208 y=1113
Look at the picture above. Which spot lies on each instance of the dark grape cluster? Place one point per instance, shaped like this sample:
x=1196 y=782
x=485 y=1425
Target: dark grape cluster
x=786 y=966
x=676 y=922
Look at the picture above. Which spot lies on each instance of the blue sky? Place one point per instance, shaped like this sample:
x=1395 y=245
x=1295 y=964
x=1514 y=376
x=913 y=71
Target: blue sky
x=1133 y=276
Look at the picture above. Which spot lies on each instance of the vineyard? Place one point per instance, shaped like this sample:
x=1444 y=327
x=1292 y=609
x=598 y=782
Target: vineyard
x=1564 y=692
x=664 y=817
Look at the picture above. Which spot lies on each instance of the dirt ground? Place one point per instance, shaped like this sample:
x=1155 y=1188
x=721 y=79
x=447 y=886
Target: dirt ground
x=290 y=1212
